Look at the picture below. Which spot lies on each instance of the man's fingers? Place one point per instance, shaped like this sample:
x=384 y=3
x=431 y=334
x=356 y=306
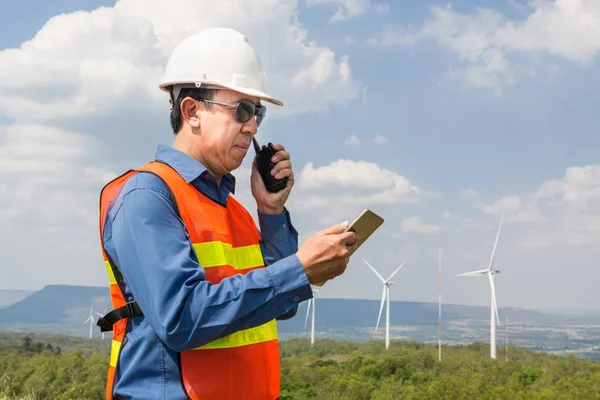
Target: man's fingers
x=284 y=173
x=349 y=238
x=335 y=229
x=278 y=147
x=280 y=155
x=280 y=166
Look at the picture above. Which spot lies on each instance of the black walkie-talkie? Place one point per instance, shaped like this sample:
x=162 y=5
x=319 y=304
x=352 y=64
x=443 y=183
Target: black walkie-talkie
x=265 y=165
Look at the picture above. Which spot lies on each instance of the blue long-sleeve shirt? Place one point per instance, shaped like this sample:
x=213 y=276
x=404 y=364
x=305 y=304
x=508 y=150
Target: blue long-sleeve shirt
x=147 y=240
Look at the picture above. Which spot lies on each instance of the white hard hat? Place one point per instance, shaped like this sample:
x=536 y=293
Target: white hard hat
x=219 y=57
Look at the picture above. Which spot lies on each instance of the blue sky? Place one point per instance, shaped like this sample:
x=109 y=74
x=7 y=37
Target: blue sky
x=481 y=107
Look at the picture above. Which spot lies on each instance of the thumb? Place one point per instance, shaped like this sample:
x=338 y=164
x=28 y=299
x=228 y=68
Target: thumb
x=336 y=229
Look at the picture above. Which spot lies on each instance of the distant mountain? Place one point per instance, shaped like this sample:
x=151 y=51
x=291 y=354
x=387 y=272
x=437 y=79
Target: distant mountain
x=63 y=309
x=55 y=304
x=344 y=313
x=10 y=296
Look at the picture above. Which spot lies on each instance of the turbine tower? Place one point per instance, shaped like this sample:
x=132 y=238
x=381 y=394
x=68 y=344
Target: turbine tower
x=440 y=294
x=312 y=328
x=385 y=296
x=90 y=319
x=491 y=273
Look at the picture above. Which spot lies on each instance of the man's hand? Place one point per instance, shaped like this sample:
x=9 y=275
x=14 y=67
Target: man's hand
x=267 y=202
x=325 y=254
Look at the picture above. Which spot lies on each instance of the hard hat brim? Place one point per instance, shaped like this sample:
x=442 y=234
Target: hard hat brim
x=244 y=90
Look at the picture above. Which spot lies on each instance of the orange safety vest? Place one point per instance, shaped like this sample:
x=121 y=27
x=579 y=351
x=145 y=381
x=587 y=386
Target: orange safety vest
x=243 y=365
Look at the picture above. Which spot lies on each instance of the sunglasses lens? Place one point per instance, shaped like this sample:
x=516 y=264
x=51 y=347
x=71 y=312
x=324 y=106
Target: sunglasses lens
x=260 y=114
x=245 y=110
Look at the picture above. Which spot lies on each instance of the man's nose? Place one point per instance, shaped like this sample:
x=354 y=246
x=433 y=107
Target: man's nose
x=250 y=126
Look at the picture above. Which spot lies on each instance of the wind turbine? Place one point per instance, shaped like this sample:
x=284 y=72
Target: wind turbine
x=385 y=295
x=102 y=315
x=491 y=273
x=91 y=319
x=312 y=328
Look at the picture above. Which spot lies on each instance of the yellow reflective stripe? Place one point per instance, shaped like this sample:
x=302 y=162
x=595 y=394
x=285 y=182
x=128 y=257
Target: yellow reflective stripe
x=114 y=353
x=216 y=254
x=259 y=334
x=111 y=276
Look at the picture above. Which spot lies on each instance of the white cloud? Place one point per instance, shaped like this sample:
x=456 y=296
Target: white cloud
x=562 y=212
x=49 y=175
x=69 y=86
x=352 y=141
x=449 y=215
x=49 y=191
x=344 y=187
x=380 y=139
x=96 y=62
x=349 y=173
x=487 y=43
x=417 y=225
x=460 y=223
x=517 y=208
x=580 y=187
x=468 y=193
x=351 y=8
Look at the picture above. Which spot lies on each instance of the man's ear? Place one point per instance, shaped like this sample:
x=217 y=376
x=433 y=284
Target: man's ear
x=190 y=112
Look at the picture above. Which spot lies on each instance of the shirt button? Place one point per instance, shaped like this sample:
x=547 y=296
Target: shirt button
x=296 y=298
x=284 y=226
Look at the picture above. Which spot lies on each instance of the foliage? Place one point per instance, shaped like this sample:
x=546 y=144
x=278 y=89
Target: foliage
x=31 y=368
x=410 y=370
x=38 y=370
x=67 y=343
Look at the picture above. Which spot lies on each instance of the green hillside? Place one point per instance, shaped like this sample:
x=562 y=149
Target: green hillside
x=34 y=369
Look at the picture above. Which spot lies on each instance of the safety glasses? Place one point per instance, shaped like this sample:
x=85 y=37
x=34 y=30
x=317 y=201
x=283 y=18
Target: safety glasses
x=244 y=110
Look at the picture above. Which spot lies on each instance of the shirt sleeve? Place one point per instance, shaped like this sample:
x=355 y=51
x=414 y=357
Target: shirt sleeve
x=149 y=244
x=279 y=239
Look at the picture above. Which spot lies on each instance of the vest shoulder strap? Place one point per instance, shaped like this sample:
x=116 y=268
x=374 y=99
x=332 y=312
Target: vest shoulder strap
x=175 y=184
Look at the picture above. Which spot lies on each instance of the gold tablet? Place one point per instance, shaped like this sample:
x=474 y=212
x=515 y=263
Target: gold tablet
x=365 y=224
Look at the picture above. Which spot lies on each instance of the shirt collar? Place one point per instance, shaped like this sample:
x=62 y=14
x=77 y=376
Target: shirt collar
x=188 y=167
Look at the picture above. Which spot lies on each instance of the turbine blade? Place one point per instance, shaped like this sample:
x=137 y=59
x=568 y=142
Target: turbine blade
x=496 y=243
x=380 y=308
x=397 y=269
x=307 y=312
x=474 y=273
x=374 y=270
x=493 y=289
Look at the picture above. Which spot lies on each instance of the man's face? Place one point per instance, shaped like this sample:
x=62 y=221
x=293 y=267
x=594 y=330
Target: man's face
x=224 y=141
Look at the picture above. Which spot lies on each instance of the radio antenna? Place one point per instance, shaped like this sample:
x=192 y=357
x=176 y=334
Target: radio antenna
x=256 y=146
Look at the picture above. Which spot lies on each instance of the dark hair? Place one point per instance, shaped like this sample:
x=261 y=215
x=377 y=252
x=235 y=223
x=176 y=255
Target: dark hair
x=194 y=93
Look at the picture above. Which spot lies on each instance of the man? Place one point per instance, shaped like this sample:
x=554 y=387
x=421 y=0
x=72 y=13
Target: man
x=195 y=285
